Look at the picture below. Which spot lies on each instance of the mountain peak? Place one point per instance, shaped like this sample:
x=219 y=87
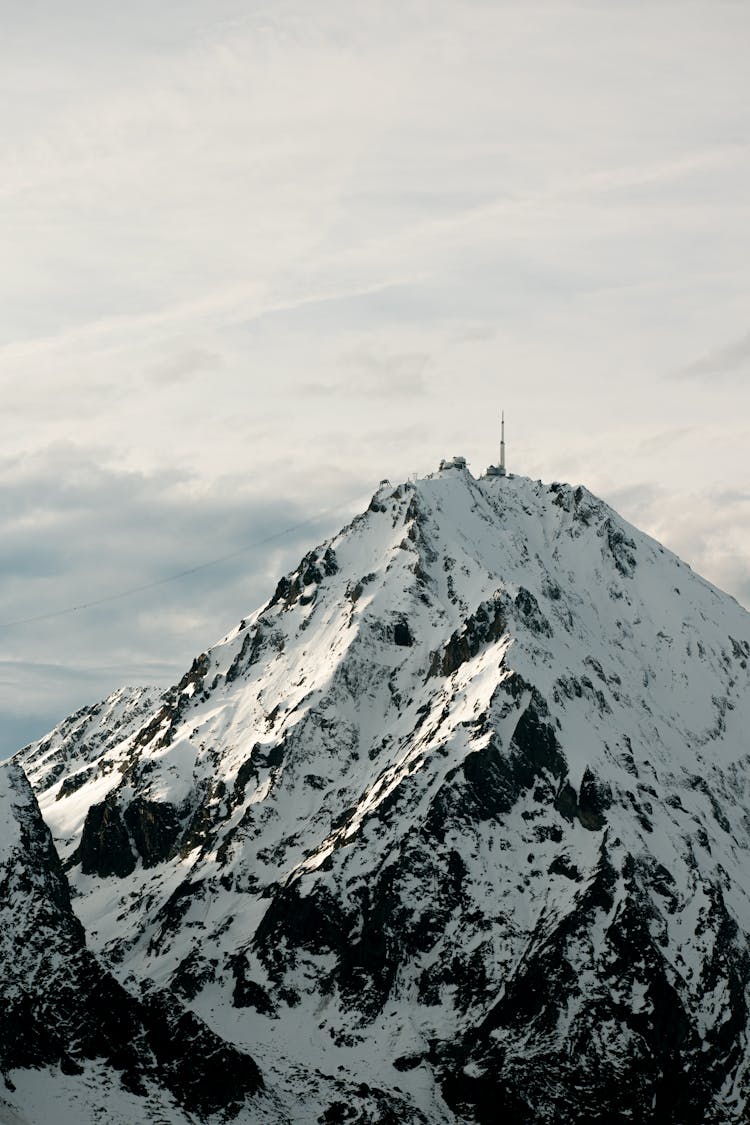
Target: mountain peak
x=487 y=735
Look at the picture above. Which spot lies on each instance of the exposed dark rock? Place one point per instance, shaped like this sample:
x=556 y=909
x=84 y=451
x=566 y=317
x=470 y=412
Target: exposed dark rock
x=621 y=548
x=74 y=782
x=566 y=801
x=492 y=779
x=170 y=915
x=105 y=847
x=247 y=992
x=534 y=740
x=281 y=593
x=250 y=649
x=192 y=974
x=562 y=866
x=486 y=625
x=402 y=634
x=207 y=1075
x=176 y=701
x=405 y=1063
x=594 y=798
x=354 y=593
x=531 y=614
x=248 y=770
x=209 y=808
x=373 y=938
x=295 y=921
x=154 y=827
x=589 y=805
x=701 y=784
x=362 y=1104
x=575 y=687
x=315 y=566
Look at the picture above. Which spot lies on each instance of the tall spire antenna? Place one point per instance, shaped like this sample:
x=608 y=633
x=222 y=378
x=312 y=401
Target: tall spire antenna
x=502 y=443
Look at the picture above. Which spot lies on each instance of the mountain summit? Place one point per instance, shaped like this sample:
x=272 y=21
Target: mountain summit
x=455 y=828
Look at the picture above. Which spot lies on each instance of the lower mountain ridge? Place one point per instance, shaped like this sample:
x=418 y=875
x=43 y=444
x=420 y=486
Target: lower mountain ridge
x=456 y=828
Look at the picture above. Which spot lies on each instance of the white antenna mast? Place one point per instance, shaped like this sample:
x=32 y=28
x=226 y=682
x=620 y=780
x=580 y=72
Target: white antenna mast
x=499 y=470
x=502 y=443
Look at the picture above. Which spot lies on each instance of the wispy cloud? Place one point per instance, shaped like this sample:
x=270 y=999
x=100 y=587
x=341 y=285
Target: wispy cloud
x=666 y=439
x=187 y=365
x=732 y=361
x=235 y=305
x=373 y=376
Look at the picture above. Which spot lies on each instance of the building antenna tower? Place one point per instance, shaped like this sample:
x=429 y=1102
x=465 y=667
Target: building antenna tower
x=502 y=443
x=499 y=470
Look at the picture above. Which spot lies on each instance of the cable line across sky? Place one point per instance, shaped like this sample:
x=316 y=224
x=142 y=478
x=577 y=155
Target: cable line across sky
x=131 y=591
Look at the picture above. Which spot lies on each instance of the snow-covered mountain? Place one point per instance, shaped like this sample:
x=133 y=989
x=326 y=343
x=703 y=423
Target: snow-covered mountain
x=455 y=828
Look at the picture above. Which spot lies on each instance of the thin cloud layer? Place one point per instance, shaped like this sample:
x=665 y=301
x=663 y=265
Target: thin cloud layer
x=729 y=362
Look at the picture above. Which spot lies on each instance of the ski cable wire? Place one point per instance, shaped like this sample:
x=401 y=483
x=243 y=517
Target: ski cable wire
x=120 y=594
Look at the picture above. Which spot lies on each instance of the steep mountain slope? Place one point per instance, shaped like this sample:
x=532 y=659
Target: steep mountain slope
x=74 y=747
x=68 y=1019
x=455 y=827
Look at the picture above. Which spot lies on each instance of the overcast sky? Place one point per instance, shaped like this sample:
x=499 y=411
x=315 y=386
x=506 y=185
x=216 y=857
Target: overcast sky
x=257 y=256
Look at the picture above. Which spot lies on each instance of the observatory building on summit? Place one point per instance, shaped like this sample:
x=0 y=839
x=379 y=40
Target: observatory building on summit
x=492 y=470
